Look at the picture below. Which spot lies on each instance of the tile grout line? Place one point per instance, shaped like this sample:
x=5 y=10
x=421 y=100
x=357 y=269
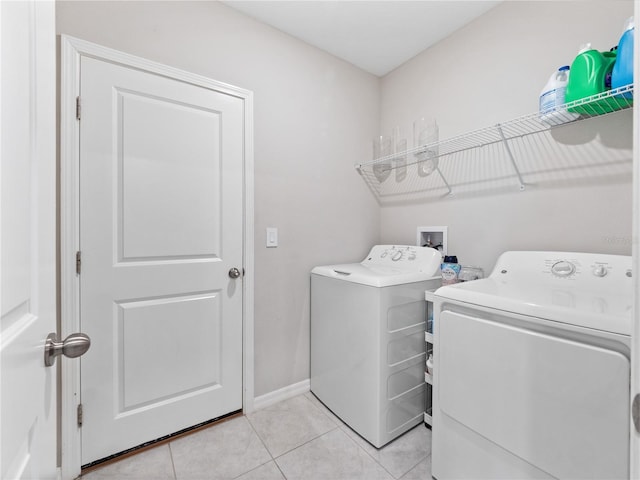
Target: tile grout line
x=173 y=465
x=302 y=444
x=259 y=437
x=367 y=453
x=415 y=466
x=320 y=406
x=371 y=456
x=265 y=447
x=275 y=459
x=344 y=426
x=335 y=426
x=279 y=469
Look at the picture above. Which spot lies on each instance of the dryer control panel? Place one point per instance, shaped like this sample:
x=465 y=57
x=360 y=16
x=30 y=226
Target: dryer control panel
x=598 y=266
x=611 y=272
x=404 y=257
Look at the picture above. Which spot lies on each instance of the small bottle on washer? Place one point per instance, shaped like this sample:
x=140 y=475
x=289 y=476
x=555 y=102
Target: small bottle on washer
x=450 y=268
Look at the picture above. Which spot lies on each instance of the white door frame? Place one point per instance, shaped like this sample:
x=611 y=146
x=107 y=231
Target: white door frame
x=72 y=49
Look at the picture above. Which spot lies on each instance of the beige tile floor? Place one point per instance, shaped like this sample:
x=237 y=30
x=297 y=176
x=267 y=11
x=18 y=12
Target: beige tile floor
x=297 y=439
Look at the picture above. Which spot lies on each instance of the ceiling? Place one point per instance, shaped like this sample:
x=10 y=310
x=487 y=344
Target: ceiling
x=374 y=35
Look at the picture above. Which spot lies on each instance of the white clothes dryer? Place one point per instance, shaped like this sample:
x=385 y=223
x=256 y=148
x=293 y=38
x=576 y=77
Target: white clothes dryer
x=367 y=339
x=531 y=370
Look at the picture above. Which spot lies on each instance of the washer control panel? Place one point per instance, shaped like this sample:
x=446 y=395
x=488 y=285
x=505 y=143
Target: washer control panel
x=405 y=257
x=392 y=254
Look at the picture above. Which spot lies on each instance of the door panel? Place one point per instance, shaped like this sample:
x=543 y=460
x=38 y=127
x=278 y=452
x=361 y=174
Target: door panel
x=157 y=158
x=27 y=283
x=170 y=177
x=142 y=382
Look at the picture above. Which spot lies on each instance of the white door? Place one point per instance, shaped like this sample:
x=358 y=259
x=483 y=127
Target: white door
x=28 y=212
x=635 y=347
x=161 y=230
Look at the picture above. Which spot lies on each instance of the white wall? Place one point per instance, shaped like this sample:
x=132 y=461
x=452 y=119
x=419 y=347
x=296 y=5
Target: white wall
x=314 y=118
x=491 y=71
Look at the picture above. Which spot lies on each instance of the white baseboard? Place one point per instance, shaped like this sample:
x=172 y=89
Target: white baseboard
x=284 y=393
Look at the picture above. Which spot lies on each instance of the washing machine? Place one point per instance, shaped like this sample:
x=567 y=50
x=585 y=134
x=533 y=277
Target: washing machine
x=531 y=370
x=367 y=339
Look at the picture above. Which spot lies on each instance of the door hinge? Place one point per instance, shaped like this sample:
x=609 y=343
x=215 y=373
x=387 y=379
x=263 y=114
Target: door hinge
x=78 y=262
x=77 y=108
x=80 y=415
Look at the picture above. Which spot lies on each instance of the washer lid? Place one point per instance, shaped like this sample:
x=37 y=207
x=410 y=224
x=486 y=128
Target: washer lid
x=577 y=294
x=374 y=276
x=388 y=265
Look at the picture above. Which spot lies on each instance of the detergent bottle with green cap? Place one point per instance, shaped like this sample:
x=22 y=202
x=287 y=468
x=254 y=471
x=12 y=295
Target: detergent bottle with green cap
x=622 y=73
x=591 y=75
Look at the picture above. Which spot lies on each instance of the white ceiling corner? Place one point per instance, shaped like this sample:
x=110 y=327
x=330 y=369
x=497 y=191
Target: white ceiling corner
x=374 y=35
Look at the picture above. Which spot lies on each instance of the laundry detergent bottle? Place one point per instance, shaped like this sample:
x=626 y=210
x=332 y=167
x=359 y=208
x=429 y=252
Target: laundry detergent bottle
x=622 y=73
x=552 y=98
x=591 y=75
x=449 y=269
x=553 y=93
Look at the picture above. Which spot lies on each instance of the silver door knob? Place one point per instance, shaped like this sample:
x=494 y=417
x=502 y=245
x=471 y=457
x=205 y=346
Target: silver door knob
x=73 y=346
x=635 y=412
x=234 y=273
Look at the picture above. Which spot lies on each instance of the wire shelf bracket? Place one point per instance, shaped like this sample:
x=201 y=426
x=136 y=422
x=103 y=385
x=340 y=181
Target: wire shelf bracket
x=510 y=155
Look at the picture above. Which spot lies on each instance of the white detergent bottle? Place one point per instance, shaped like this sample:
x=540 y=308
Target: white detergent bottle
x=552 y=98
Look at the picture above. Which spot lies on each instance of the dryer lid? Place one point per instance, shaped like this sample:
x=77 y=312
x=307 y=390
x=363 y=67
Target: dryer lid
x=589 y=290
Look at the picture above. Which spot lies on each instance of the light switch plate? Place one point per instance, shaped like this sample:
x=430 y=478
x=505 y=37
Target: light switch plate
x=272 y=237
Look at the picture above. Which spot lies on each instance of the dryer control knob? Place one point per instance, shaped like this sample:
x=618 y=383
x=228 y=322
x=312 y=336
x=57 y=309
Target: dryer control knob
x=396 y=256
x=600 y=271
x=563 y=268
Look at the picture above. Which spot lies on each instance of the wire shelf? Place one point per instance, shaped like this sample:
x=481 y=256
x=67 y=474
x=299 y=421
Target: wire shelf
x=392 y=175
